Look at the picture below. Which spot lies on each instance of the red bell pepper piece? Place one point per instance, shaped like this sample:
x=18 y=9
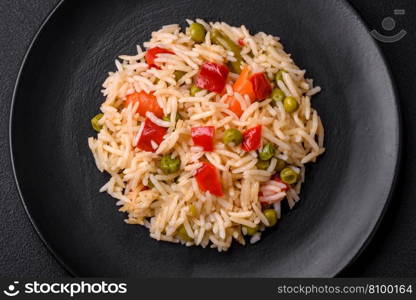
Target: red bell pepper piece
x=241 y=42
x=203 y=136
x=261 y=86
x=208 y=179
x=287 y=187
x=252 y=139
x=151 y=55
x=151 y=132
x=212 y=77
x=147 y=102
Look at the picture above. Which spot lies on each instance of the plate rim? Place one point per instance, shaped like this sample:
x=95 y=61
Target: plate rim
x=55 y=255
x=335 y=273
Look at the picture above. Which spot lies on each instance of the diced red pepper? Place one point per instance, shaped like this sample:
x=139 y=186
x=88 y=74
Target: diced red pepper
x=151 y=132
x=204 y=137
x=287 y=187
x=252 y=139
x=212 y=77
x=151 y=55
x=208 y=179
x=147 y=102
x=261 y=86
x=241 y=42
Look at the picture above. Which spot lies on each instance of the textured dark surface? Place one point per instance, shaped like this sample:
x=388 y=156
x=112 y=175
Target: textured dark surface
x=59 y=180
x=392 y=252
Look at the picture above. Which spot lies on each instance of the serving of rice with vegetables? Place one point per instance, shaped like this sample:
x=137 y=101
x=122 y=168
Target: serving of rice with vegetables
x=206 y=133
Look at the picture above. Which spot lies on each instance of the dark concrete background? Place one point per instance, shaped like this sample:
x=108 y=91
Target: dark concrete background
x=392 y=251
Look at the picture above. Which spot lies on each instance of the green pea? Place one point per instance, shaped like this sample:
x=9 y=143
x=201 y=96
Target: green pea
x=219 y=38
x=271 y=216
x=197 y=32
x=279 y=75
x=183 y=234
x=178 y=74
x=263 y=164
x=194 y=90
x=235 y=66
x=277 y=95
x=167 y=118
x=267 y=152
x=94 y=122
x=232 y=137
x=290 y=104
x=251 y=230
x=287 y=175
x=169 y=165
x=280 y=165
x=192 y=211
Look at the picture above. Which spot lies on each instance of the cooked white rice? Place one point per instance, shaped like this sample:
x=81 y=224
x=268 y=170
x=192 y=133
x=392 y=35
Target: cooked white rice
x=175 y=200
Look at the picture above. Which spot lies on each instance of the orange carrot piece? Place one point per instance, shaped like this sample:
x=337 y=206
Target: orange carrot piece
x=147 y=102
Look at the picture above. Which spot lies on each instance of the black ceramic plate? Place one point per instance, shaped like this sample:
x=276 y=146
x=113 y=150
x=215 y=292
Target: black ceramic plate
x=345 y=192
